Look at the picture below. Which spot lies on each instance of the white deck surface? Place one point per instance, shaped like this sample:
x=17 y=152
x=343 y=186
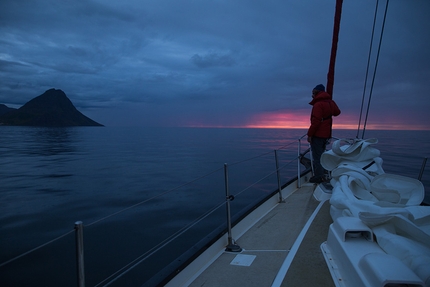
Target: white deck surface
x=267 y=244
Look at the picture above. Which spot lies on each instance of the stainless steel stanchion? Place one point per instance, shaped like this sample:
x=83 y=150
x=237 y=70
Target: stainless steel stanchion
x=79 y=228
x=232 y=247
x=423 y=166
x=278 y=176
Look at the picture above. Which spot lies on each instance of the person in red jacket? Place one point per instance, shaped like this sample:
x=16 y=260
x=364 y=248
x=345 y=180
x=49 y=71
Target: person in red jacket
x=323 y=109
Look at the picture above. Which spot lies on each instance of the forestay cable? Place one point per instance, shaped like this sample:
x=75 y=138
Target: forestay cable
x=374 y=71
x=367 y=68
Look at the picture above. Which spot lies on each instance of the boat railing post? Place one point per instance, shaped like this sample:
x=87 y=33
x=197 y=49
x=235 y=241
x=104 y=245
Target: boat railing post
x=312 y=159
x=232 y=247
x=80 y=253
x=299 y=184
x=278 y=176
x=423 y=166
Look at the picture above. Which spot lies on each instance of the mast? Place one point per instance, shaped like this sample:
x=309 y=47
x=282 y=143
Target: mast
x=336 y=28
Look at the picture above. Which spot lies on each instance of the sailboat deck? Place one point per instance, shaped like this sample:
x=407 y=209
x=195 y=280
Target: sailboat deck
x=267 y=244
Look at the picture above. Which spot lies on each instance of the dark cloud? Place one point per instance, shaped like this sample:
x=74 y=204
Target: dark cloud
x=213 y=60
x=222 y=62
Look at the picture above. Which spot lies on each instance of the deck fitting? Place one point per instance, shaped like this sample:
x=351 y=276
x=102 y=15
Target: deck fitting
x=233 y=248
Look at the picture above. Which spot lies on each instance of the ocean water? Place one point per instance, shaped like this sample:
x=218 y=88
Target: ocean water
x=134 y=187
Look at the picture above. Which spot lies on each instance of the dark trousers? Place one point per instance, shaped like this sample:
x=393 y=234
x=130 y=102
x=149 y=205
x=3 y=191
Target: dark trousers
x=318 y=146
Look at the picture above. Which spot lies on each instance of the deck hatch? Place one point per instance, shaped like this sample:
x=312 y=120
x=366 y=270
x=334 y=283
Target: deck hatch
x=243 y=260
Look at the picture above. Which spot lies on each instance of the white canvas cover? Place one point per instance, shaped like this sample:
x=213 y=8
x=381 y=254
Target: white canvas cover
x=389 y=204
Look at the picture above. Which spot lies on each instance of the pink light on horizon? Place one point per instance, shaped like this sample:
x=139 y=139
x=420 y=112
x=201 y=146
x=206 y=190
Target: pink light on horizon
x=295 y=120
x=287 y=120
x=300 y=120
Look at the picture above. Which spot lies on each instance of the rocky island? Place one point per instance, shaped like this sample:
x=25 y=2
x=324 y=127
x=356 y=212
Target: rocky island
x=51 y=109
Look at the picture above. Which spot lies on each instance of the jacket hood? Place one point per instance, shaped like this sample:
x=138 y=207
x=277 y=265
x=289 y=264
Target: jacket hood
x=321 y=96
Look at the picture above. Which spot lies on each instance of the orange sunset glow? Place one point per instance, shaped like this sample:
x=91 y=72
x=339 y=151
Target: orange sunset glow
x=286 y=120
x=300 y=120
x=293 y=120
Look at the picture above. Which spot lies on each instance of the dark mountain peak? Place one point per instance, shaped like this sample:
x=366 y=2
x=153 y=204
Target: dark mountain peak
x=5 y=109
x=51 y=109
x=51 y=100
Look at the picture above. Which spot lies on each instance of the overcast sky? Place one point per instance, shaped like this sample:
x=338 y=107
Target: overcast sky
x=215 y=63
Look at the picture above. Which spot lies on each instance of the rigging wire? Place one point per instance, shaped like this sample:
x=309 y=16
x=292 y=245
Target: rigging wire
x=368 y=66
x=374 y=70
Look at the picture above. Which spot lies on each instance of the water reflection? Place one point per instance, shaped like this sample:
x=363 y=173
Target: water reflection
x=36 y=165
x=46 y=141
x=53 y=177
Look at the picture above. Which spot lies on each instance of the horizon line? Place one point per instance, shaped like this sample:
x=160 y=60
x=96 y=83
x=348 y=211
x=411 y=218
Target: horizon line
x=403 y=128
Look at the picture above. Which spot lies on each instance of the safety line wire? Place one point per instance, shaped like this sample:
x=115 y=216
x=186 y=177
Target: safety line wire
x=147 y=200
x=287 y=145
x=151 y=198
x=104 y=218
x=156 y=248
x=263 y=178
x=168 y=240
x=269 y=152
x=36 y=248
x=245 y=160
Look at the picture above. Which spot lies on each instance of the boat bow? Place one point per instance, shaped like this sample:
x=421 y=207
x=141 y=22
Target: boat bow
x=381 y=233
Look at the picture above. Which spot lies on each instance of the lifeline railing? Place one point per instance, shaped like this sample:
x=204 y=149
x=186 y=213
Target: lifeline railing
x=79 y=226
x=231 y=246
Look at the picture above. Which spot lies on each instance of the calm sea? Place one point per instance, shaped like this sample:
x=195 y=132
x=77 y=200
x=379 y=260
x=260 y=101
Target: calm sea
x=134 y=187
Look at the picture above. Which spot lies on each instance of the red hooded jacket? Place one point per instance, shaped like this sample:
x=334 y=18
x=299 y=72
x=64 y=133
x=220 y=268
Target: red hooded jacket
x=323 y=109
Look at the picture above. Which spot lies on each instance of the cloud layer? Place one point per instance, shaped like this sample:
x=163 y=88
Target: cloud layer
x=214 y=63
